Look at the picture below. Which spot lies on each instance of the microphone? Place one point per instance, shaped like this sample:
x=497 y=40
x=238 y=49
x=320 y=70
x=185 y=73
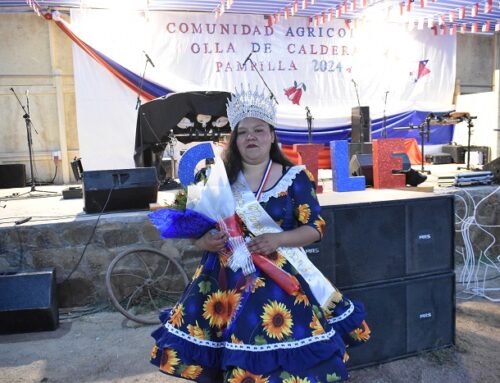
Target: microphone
x=354 y=82
x=12 y=89
x=148 y=59
x=248 y=58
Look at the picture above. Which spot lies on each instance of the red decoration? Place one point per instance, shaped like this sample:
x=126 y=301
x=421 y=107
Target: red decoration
x=283 y=279
x=384 y=163
x=461 y=13
x=475 y=10
x=294 y=93
x=308 y=156
x=488 y=6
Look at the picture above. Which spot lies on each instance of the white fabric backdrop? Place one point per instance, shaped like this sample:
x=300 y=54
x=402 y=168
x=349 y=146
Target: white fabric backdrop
x=193 y=51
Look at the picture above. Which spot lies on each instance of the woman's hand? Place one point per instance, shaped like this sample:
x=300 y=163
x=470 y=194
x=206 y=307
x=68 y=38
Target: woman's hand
x=212 y=240
x=265 y=244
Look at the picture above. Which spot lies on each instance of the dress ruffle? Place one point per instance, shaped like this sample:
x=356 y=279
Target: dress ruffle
x=348 y=316
x=294 y=360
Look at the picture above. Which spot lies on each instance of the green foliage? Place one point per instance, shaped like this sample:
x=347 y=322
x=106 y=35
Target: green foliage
x=205 y=287
x=180 y=201
x=260 y=340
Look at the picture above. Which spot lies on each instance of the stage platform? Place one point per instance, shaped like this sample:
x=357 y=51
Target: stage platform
x=40 y=230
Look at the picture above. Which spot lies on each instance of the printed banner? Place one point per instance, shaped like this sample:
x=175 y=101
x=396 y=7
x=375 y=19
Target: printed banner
x=328 y=68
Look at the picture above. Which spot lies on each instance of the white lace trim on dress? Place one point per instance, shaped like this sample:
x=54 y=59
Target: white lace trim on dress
x=249 y=347
x=344 y=315
x=283 y=184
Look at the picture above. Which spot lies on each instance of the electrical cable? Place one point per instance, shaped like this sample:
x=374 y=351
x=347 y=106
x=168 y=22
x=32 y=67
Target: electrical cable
x=476 y=260
x=90 y=238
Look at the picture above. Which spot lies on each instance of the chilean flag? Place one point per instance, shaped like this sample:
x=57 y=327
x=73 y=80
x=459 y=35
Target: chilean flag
x=422 y=69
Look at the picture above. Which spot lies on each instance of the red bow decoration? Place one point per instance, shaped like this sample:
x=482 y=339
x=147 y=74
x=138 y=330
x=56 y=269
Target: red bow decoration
x=294 y=93
x=286 y=281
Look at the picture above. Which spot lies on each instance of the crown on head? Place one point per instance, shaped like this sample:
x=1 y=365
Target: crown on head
x=248 y=103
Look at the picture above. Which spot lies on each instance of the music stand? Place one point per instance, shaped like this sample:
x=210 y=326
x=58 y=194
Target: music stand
x=29 y=126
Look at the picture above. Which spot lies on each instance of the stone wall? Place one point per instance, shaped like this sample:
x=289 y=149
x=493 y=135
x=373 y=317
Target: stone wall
x=61 y=245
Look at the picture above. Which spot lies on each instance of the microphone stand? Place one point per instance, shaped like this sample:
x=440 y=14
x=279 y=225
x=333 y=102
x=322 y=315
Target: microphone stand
x=425 y=131
x=141 y=84
x=384 y=121
x=264 y=81
x=309 y=119
x=29 y=126
x=168 y=182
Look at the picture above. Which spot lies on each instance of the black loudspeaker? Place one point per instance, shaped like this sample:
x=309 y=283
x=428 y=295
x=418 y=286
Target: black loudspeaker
x=361 y=124
x=12 y=176
x=457 y=152
x=359 y=148
x=494 y=167
x=120 y=189
x=405 y=317
x=28 y=301
x=378 y=241
x=362 y=165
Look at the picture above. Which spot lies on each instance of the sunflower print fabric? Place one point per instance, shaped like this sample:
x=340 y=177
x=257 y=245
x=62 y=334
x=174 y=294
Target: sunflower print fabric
x=235 y=329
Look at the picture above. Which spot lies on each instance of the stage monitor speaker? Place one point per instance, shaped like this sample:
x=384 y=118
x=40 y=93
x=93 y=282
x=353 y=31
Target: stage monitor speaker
x=28 y=301
x=361 y=127
x=362 y=165
x=120 y=189
x=12 y=176
x=405 y=317
x=494 y=167
x=379 y=241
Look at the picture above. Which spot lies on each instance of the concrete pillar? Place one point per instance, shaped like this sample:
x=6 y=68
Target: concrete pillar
x=63 y=146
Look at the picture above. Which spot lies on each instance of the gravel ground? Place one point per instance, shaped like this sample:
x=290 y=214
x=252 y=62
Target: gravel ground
x=105 y=347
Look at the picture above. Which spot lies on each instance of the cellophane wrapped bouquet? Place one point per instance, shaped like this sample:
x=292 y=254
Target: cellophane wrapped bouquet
x=211 y=205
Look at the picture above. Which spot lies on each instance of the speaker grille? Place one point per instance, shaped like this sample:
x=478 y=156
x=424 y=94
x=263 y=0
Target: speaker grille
x=380 y=241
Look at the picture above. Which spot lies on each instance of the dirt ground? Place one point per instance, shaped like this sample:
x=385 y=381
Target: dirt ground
x=105 y=347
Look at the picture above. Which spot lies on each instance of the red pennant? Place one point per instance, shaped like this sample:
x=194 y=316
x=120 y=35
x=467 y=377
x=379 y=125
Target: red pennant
x=461 y=13
x=475 y=10
x=488 y=6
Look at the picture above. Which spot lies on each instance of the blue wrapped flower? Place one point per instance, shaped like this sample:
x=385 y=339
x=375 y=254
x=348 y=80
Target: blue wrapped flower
x=188 y=223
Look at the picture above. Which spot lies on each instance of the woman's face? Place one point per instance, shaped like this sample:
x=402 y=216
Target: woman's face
x=253 y=139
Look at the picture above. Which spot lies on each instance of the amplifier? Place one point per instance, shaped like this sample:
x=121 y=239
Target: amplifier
x=405 y=317
x=28 y=301
x=457 y=153
x=438 y=158
x=12 y=176
x=378 y=241
x=120 y=189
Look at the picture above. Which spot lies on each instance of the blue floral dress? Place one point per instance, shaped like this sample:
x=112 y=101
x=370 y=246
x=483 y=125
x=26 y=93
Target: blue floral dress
x=235 y=329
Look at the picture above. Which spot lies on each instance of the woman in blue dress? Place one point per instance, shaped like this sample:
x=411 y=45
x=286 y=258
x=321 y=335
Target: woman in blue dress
x=237 y=328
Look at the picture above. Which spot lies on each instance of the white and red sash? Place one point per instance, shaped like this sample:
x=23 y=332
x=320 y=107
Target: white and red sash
x=259 y=222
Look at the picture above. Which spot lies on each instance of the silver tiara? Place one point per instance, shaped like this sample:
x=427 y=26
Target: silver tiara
x=248 y=103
